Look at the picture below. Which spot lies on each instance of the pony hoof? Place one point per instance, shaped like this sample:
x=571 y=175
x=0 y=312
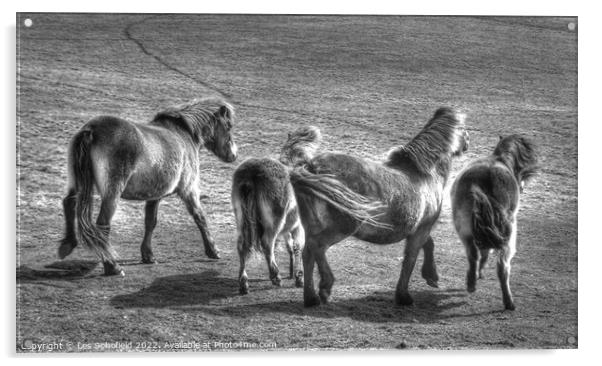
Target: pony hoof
x=432 y=283
x=243 y=290
x=403 y=299
x=510 y=306
x=471 y=288
x=213 y=254
x=309 y=302
x=119 y=272
x=65 y=249
x=276 y=281
x=150 y=260
x=299 y=282
x=115 y=270
x=324 y=297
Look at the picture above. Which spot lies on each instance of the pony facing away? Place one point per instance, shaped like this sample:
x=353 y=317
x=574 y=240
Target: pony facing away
x=143 y=162
x=409 y=184
x=265 y=207
x=485 y=200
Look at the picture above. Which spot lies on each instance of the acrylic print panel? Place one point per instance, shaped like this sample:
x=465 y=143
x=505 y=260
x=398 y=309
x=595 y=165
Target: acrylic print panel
x=369 y=83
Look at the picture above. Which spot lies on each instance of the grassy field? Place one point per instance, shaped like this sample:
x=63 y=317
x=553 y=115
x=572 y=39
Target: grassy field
x=369 y=83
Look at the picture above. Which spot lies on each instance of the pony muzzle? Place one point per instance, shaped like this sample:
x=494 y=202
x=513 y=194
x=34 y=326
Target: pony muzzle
x=232 y=153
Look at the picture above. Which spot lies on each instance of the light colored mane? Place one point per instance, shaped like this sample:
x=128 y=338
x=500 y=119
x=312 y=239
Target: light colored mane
x=438 y=139
x=197 y=117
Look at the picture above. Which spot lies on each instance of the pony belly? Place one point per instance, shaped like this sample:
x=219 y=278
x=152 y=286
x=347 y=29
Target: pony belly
x=383 y=235
x=376 y=235
x=150 y=186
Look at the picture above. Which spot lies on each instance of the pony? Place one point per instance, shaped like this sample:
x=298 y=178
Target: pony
x=485 y=203
x=409 y=186
x=265 y=207
x=143 y=162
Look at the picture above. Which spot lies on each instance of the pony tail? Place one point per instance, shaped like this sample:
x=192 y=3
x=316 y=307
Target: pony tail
x=301 y=146
x=330 y=190
x=490 y=225
x=92 y=236
x=250 y=227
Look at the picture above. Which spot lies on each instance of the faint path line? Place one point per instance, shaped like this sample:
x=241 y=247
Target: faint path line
x=128 y=34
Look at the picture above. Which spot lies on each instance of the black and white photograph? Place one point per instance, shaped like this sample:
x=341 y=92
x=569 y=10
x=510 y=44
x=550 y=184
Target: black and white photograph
x=212 y=182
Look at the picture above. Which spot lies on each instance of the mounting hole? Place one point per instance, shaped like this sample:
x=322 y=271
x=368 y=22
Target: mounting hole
x=28 y=22
x=571 y=26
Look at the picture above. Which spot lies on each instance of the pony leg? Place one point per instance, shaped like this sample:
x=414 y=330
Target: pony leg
x=288 y=238
x=243 y=279
x=103 y=222
x=69 y=242
x=326 y=276
x=150 y=222
x=483 y=262
x=472 y=254
x=503 y=269
x=309 y=292
x=413 y=245
x=194 y=208
x=268 y=242
x=298 y=237
x=429 y=269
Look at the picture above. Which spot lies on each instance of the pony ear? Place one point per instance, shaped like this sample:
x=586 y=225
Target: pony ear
x=501 y=138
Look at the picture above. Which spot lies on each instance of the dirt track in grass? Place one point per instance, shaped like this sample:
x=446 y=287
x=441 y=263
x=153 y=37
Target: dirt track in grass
x=369 y=83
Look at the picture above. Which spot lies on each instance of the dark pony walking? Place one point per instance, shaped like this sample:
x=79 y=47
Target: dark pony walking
x=143 y=162
x=409 y=185
x=485 y=201
x=266 y=209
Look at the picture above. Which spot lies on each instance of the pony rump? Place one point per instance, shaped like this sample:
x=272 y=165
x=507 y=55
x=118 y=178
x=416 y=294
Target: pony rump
x=300 y=146
x=438 y=138
x=519 y=154
x=198 y=117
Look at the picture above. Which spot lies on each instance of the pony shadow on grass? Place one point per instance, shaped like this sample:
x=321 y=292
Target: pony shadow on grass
x=60 y=270
x=181 y=290
x=209 y=293
x=379 y=307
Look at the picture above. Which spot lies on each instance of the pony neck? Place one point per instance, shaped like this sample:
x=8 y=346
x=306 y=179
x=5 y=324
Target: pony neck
x=509 y=161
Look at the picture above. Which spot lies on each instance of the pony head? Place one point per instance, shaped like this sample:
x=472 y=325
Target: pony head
x=218 y=139
x=520 y=155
